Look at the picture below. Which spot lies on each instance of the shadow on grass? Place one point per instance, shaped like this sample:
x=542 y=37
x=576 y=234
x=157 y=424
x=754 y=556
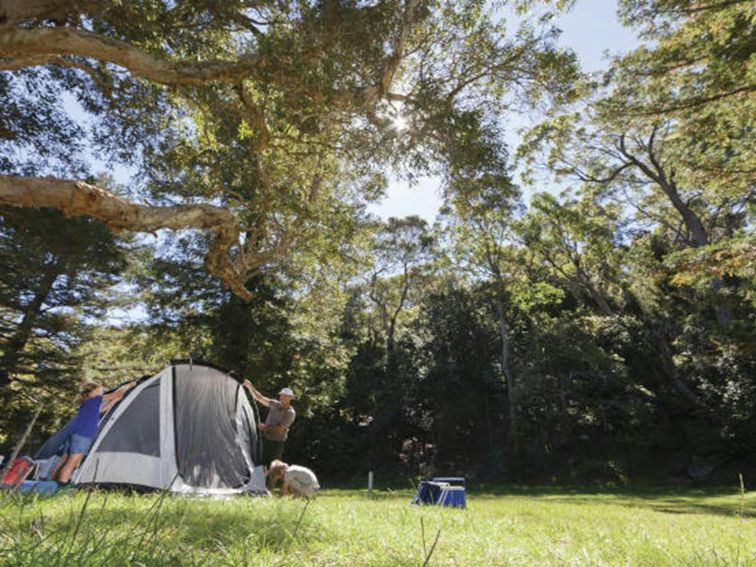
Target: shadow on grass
x=208 y=529
x=146 y=528
x=657 y=498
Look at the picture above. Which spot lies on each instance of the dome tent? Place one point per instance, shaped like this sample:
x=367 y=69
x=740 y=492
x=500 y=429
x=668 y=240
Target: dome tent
x=189 y=428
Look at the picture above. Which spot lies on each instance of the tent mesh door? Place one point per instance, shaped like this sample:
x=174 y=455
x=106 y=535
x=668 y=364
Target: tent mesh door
x=207 y=450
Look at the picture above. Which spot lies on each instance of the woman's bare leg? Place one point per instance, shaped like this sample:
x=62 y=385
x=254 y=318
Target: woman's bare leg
x=58 y=466
x=71 y=463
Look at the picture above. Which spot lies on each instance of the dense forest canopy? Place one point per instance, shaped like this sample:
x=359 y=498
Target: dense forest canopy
x=604 y=333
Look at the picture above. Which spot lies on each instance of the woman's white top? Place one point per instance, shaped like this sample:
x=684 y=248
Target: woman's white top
x=301 y=480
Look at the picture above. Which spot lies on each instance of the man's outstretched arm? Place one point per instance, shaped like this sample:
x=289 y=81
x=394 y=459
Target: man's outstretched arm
x=257 y=395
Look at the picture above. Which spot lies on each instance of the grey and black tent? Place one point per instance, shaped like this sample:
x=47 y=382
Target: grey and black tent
x=190 y=428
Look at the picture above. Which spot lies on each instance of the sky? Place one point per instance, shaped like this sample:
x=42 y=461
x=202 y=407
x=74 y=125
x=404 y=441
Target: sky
x=592 y=30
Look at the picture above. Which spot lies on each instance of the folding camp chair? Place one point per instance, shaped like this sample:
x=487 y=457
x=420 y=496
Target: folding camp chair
x=17 y=473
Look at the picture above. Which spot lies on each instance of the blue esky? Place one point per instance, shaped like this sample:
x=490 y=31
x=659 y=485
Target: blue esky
x=593 y=31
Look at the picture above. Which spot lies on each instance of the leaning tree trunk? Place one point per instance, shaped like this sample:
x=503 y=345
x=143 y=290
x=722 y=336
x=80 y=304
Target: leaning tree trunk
x=669 y=370
x=20 y=444
x=665 y=179
x=699 y=237
x=18 y=341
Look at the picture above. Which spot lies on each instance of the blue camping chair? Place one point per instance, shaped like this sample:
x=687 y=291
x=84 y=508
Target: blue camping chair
x=442 y=491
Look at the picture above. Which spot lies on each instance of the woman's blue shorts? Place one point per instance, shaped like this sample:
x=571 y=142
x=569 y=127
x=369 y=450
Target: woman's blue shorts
x=76 y=443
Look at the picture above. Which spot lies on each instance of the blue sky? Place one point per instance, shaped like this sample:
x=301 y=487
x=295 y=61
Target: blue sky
x=593 y=31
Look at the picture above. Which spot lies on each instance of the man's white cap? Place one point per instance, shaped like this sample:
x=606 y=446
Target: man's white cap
x=286 y=392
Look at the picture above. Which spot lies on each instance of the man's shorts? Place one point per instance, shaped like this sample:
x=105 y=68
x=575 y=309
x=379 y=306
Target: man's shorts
x=75 y=444
x=272 y=450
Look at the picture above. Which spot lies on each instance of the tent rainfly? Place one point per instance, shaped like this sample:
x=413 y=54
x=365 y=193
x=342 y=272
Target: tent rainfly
x=188 y=429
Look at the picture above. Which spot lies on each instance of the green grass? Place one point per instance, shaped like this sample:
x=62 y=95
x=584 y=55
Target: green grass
x=502 y=526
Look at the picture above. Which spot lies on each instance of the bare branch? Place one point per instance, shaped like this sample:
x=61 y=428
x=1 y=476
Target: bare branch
x=247 y=23
x=44 y=45
x=76 y=198
x=608 y=179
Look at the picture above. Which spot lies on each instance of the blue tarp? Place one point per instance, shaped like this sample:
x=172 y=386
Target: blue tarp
x=46 y=487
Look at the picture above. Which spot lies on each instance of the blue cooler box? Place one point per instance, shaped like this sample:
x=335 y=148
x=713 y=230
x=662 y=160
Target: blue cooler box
x=441 y=492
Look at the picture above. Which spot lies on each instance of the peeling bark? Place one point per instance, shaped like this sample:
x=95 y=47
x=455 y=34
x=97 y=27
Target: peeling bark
x=38 y=46
x=75 y=198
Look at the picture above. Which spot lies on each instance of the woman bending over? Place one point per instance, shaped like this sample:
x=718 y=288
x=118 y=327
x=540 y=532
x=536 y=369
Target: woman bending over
x=295 y=480
x=92 y=402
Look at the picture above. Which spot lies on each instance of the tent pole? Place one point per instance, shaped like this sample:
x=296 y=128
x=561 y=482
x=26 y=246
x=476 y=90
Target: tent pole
x=258 y=433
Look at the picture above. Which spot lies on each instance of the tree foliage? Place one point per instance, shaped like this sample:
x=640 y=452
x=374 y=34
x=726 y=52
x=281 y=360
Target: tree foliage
x=54 y=275
x=244 y=117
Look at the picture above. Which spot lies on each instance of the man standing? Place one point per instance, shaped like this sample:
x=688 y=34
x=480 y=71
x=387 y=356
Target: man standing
x=276 y=427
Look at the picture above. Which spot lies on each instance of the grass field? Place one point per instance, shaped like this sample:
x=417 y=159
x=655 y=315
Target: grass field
x=502 y=526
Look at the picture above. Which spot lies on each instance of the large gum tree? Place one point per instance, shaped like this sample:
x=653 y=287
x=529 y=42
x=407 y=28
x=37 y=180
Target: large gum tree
x=251 y=121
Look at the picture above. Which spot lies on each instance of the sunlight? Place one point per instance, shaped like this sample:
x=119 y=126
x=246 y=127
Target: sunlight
x=397 y=118
x=399 y=123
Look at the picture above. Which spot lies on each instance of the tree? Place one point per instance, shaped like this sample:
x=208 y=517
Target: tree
x=577 y=240
x=669 y=138
x=482 y=212
x=700 y=60
x=244 y=116
x=402 y=250
x=579 y=243
x=53 y=276
x=670 y=135
x=459 y=390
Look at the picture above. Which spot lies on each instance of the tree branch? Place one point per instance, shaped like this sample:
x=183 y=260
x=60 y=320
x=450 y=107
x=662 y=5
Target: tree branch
x=75 y=198
x=692 y=102
x=372 y=93
x=43 y=45
x=254 y=114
